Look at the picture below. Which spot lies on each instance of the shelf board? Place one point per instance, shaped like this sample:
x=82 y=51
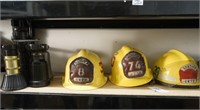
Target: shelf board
x=125 y=23
x=56 y=88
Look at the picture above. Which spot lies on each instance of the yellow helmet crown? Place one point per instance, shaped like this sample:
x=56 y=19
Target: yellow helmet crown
x=84 y=71
x=130 y=68
x=174 y=68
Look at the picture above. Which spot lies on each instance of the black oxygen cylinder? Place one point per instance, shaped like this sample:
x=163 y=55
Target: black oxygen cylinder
x=39 y=65
x=38 y=71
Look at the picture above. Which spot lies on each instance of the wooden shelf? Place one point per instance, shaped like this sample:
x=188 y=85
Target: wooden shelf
x=56 y=88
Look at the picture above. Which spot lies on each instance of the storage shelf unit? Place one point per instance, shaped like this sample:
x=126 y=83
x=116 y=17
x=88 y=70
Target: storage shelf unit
x=56 y=88
x=105 y=14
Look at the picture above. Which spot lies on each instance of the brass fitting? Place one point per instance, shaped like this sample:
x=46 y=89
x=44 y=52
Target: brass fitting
x=11 y=64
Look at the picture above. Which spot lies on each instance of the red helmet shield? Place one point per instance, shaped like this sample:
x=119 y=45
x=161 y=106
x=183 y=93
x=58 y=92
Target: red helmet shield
x=81 y=71
x=133 y=65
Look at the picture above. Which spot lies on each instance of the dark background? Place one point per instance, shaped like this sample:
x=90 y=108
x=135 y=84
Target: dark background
x=76 y=9
x=9 y=101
